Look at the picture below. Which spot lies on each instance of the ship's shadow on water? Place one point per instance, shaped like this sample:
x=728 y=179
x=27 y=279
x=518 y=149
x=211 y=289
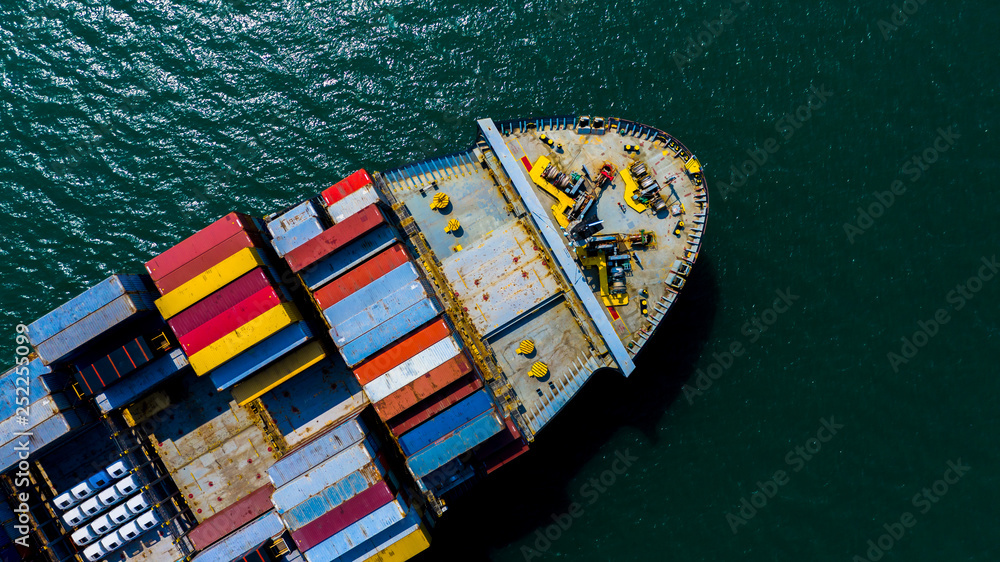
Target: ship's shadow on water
x=511 y=504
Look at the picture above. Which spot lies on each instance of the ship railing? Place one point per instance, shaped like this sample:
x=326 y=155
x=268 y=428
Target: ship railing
x=549 y=123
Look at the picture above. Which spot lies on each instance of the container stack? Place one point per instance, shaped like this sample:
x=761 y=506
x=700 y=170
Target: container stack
x=295 y=227
x=50 y=412
x=233 y=320
x=339 y=503
x=349 y=196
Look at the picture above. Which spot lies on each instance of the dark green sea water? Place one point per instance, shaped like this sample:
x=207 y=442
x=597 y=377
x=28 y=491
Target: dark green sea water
x=125 y=126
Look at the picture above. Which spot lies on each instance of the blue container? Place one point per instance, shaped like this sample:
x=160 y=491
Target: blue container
x=38 y=412
x=463 y=439
x=356 y=302
x=383 y=540
x=380 y=312
x=260 y=355
x=292 y=218
x=44 y=434
x=324 y=475
x=297 y=236
x=128 y=390
x=93 y=325
x=445 y=422
x=247 y=538
x=99 y=481
x=346 y=258
x=297 y=462
x=332 y=496
x=85 y=304
x=384 y=334
x=357 y=534
x=310 y=394
x=41 y=382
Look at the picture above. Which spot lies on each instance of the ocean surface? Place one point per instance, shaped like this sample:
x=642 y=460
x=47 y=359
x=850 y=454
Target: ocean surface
x=832 y=366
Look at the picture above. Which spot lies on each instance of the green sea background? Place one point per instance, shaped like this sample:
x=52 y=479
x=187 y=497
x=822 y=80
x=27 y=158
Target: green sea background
x=126 y=126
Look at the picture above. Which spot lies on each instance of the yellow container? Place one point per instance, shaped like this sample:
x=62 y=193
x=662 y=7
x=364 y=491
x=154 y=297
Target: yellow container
x=244 y=337
x=215 y=278
x=405 y=548
x=279 y=372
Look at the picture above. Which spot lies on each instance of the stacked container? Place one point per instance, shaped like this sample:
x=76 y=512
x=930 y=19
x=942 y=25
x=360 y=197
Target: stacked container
x=349 y=196
x=221 y=301
x=48 y=415
x=295 y=227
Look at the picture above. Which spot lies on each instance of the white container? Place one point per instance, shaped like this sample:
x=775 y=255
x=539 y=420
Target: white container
x=111 y=542
x=64 y=501
x=81 y=491
x=127 y=485
x=109 y=497
x=91 y=508
x=84 y=536
x=137 y=505
x=118 y=468
x=73 y=517
x=101 y=525
x=93 y=553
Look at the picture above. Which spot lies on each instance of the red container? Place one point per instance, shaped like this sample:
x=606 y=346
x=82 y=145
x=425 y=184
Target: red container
x=205 y=261
x=335 y=237
x=435 y=404
x=345 y=187
x=248 y=309
x=342 y=516
x=401 y=351
x=361 y=276
x=232 y=518
x=198 y=243
x=424 y=387
x=513 y=450
x=219 y=301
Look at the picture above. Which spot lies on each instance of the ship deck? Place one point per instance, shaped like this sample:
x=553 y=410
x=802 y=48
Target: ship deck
x=513 y=270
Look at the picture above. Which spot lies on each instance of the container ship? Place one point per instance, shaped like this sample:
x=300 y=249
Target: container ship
x=320 y=383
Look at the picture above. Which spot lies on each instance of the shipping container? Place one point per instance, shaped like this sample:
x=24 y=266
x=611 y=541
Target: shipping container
x=352 y=183
x=298 y=461
x=282 y=370
x=86 y=303
x=353 y=203
x=118 y=364
x=505 y=455
x=402 y=351
x=446 y=422
x=436 y=403
x=335 y=238
x=329 y=268
x=292 y=218
x=447 y=477
x=233 y=517
x=45 y=434
x=37 y=412
x=380 y=311
x=334 y=495
x=199 y=243
x=209 y=259
x=129 y=390
x=209 y=281
x=244 y=337
x=245 y=539
x=361 y=276
x=220 y=301
x=400 y=542
x=260 y=355
x=302 y=233
x=323 y=475
x=41 y=382
x=343 y=516
x=395 y=328
x=425 y=387
x=412 y=369
x=355 y=535
x=247 y=309
x=462 y=440
x=85 y=330
x=319 y=398
x=385 y=285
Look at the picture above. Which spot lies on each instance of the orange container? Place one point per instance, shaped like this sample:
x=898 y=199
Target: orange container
x=404 y=350
x=435 y=404
x=425 y=386
x=359 y=277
